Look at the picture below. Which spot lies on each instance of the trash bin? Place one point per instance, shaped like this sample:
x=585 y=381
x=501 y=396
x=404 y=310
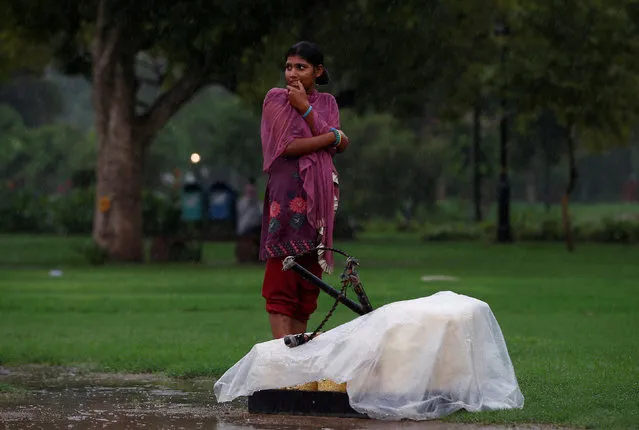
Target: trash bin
x=192 y=202
x=222 y=202
x=221 y=212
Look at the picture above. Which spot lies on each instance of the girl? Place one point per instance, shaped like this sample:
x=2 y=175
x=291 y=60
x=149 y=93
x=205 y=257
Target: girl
x=300 y=133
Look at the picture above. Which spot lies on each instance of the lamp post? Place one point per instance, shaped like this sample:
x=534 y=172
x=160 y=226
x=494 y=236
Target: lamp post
x=504 y=233
x=195 y=160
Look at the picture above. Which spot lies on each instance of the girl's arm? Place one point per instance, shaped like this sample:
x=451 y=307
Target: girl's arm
x=318 y=126
x=298 y=99
x=307 y=145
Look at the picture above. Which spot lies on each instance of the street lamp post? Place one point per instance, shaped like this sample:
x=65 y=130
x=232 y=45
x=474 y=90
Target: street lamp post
x=195 y=160
x=504 y=233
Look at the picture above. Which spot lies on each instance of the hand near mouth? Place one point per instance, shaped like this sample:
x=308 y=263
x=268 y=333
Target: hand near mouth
x=297 y=96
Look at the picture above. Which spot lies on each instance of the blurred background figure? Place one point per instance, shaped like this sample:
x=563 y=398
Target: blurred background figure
x=249 y=221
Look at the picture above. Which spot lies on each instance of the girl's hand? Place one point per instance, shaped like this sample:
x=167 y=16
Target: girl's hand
x=297 y=97
x=343 y=143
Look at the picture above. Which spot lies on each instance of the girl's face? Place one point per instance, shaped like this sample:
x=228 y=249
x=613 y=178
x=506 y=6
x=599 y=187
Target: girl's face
x=298 y=69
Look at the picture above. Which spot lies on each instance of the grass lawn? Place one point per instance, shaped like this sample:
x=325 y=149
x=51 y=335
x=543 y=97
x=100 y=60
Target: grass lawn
x=571 y=321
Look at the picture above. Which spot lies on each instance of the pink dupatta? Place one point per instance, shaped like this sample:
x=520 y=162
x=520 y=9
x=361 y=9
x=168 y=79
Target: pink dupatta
x=281 y=124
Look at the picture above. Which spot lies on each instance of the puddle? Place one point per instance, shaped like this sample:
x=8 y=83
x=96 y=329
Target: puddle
x=53 y=398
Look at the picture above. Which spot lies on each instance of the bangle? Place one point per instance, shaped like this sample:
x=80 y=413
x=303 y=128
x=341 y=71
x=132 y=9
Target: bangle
x=338 y=137
x=310 y=108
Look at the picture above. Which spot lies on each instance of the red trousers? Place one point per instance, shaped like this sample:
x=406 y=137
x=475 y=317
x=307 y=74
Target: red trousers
x=286 y=292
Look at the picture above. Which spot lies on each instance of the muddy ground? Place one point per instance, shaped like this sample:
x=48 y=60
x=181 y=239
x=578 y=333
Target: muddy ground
x=37 y=397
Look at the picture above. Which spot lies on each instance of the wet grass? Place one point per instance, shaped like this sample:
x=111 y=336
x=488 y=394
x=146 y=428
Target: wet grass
x=570 y=320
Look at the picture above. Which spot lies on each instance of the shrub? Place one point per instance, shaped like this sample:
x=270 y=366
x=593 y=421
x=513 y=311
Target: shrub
x=72 y=213
x=607 y=230
x=25 y=211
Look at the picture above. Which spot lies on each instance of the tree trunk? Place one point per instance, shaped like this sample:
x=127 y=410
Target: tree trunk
x=124 y=136
x=476 y=152
x=119 y=179
x=117 y=222
x=572 y=180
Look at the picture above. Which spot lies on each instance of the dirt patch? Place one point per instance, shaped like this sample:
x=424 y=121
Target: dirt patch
x=46 y=397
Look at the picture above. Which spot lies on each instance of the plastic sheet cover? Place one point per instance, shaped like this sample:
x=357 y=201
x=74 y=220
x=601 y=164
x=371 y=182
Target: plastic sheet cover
x=416 y=359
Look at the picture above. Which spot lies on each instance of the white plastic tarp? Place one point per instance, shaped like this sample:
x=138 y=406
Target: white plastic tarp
x=416 y=359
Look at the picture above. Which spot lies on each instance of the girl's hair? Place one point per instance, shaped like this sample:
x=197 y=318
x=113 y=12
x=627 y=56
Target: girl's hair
x=311 y=53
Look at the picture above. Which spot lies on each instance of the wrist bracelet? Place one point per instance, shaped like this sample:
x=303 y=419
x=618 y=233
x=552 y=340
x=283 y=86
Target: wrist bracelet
x=310 y=108
x=338 y=137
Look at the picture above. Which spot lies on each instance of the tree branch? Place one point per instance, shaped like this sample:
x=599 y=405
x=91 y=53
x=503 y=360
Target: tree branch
x=105 y=40
x=170 y=102
x=105 y=45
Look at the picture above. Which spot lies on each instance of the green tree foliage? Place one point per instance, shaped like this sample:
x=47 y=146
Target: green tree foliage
x=575 y=62
x=389 y=168
x=41 y=158
x=218 y=126
x=578 y=60
x=188 y=44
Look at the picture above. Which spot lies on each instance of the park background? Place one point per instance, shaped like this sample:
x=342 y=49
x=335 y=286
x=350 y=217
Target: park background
x=493 y=142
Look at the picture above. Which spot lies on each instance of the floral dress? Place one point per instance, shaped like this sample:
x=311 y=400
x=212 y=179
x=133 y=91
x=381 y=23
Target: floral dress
x=285 y=227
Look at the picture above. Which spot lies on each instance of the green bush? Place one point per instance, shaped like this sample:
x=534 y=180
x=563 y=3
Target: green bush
x=25 y=211
x=452 y=232
x=545 y=229
x=614 y=230
x=161 y=213
x=379 y=225
x=72 y=213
